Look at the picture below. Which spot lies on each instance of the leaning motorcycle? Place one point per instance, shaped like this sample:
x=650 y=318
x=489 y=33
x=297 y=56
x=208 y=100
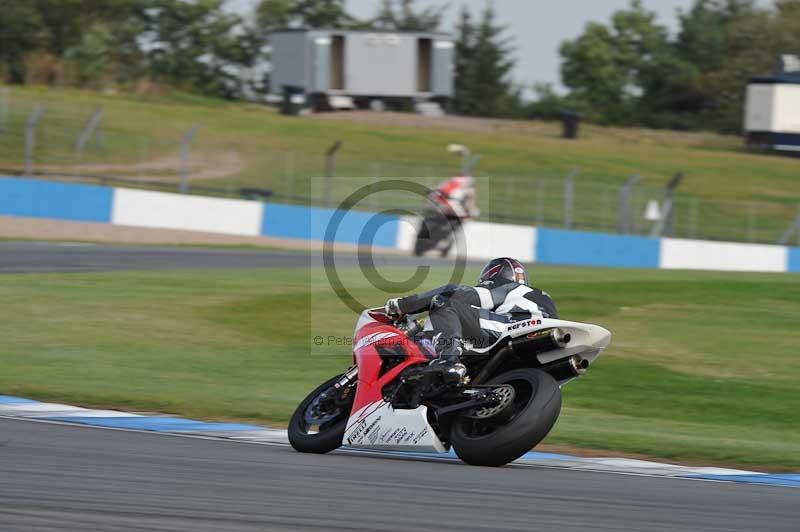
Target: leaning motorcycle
x=392 y=399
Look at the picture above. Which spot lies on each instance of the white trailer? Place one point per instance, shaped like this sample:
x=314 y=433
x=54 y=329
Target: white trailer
x=362 y=65
x=772 y=110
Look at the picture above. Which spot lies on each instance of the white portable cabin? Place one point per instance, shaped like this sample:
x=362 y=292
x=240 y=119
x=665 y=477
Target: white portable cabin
x=772 y=109
x=363 y=65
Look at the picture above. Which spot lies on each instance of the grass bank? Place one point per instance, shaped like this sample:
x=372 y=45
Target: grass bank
x=250 y=145
x=699 y=369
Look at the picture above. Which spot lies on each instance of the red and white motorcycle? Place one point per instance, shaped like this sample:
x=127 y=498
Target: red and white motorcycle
x=392 y=399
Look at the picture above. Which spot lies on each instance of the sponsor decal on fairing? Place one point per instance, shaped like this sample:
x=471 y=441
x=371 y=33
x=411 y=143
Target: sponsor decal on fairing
x=527 y=323
x=378 y=425
x=374 y=338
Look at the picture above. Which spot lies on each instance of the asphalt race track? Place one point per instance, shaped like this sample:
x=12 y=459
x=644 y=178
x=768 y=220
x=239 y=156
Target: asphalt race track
x=43 y=257
x=64 y=478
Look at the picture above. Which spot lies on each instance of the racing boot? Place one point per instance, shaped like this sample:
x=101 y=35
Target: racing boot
x=449 y=361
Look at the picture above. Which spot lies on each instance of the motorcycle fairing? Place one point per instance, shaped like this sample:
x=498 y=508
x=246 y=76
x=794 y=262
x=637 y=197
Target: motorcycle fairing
x=379 y=426
x=373 y=422
x=586 y=340
x=370 y=339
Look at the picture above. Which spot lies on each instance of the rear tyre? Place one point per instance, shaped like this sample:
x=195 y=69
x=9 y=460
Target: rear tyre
x=426 y=240
x=317 y=425
x=420 y=247
x=430 y=233
x=446 y=249
x=496 y=442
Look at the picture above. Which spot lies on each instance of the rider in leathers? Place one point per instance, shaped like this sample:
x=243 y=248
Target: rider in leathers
x=478 y=315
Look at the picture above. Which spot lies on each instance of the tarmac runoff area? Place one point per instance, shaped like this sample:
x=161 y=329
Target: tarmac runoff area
x=63 y=477
x=50 y=257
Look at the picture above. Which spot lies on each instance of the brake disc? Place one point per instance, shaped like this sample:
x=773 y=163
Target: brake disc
x=322 y=409
x=504 y=394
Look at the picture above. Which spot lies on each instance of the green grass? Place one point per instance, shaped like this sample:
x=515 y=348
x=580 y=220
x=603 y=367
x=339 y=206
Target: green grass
x=701 y=367
x=283 y=153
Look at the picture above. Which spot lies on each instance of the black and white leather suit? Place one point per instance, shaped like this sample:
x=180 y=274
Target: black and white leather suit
x=478 y=315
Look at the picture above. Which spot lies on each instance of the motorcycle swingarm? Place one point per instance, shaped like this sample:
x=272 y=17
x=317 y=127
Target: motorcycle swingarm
x=416 y=385
x=477 y=400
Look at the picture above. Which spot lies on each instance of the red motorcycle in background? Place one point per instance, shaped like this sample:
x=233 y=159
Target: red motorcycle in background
x=392 y=399
x=451 y=204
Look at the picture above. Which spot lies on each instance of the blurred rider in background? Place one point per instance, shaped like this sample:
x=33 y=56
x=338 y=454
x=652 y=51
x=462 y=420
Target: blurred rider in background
x=449 y=205
x=455 y=198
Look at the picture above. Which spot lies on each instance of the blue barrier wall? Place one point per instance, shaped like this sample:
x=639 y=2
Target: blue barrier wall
x=48 y=199
x=311 y=223
x=70 y=201
x=794 y=260
x=556 y=246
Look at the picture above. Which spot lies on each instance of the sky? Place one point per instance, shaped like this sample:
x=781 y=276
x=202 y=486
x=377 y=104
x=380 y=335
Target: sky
x=537 y=27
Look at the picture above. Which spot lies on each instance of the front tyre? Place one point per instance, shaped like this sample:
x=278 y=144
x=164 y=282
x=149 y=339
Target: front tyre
x=498 y=440
x=318 y=423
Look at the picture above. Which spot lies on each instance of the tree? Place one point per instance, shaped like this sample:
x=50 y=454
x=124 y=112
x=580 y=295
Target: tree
x=19 y=32
x=272 y=14
x=631 y=72
x=548 y=104
x=464 y=70
x=91 y=57
x=197 y=46
x=275 y=14
x=753 y=39
x=322 y=13
x=705 y=30
x=402 y=15
x=65 y=21
x=611 y=68
x=591 y=68
x=726 y=42
x=482 y=68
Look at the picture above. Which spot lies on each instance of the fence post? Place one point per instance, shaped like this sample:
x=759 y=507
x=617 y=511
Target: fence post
x=569 y=198
x=625 y=214
x=796 y=230
x=607 y=210
x=374 y=177
x=664 y=226
x=330 y=159
x=540 y=191
x=793 y=228
x=288 y=170
x=91 y=125
x=751 y=222
x=508 y=197
x=30 y=138
x=144 y=154
x=3 y=109
x=693 y=218
x=186 y=146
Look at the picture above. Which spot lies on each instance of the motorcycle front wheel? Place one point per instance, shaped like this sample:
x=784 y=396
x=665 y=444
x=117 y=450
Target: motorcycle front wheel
x=318 y=423
x=501 y=439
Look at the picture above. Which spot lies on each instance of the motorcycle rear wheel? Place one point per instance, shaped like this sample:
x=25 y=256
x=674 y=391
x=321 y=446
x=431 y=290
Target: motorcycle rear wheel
x=490 y=442
x=330 y=431
x=430 y=233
